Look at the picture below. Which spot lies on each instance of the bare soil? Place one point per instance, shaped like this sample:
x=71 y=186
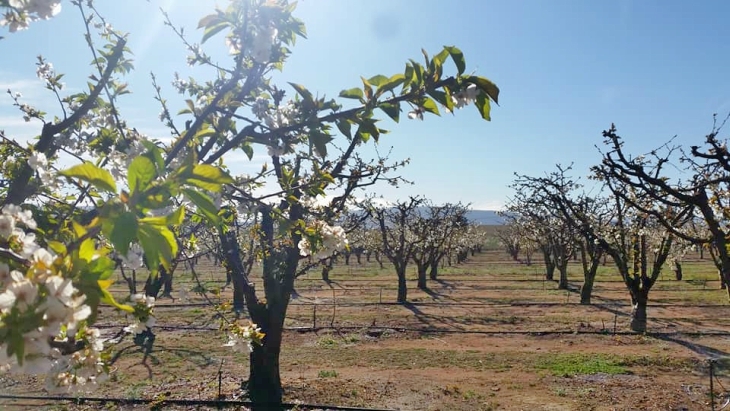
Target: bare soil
x=490 y=335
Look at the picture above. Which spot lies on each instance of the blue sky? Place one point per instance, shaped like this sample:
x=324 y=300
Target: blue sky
x=567 y=69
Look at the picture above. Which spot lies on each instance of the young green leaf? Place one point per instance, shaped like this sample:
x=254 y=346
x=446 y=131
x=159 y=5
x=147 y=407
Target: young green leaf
x=204 y=204
x=98 y=177
x=208 y=177
x=354 y=93
x=429 y=105
x=483 y=106
x=458 y=57
x=486 y=86
x=306 y=94
x=124 y=232
x=392 y=110
x=141 y=173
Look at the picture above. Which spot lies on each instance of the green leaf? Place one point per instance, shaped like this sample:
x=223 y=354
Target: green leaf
x=98 y=177
x=141 y=173
x=367 y=88
x=159 y=245
x=247 y=149
x=102 y=266
x=124 y=232
x=173 y=219
x=377 y=80
x=429 y=105
x=440 y=57
x=57 y=247
x=354 y=93
x=208 y=20
x=458 y=57
x=154 y=153
x=486 y=86
x=87 y=250
x=483 y=106
x=443 y=98
x=208 y=177
x=306 y=94
x=345 y=127
x=212 y=30
x=108 y=298
x=392 y=110
x=320 y=141
x=204 y=204
x=392 y=83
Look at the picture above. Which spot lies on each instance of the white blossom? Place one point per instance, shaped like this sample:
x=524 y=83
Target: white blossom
x=7 y=226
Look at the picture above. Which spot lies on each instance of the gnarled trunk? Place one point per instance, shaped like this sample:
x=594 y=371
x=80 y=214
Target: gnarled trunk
x=433 y=274
x=264 y=382
x=402 y=286
x=639 y=300
x=586 y=290
x=421 y=267
x=563 y=280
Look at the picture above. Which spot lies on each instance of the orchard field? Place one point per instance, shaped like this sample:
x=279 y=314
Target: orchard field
x=490 y=334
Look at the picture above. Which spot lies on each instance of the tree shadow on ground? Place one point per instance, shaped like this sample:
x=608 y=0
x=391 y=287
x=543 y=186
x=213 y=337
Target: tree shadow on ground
x=697 y=348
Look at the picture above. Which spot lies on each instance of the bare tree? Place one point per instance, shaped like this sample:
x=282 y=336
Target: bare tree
x=399 y=241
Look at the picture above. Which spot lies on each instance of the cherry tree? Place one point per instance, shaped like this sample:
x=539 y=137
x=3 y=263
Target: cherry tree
x=555 y=238
x=399 y=242
x=585 y=215
x=434 y=227
x=132 y=193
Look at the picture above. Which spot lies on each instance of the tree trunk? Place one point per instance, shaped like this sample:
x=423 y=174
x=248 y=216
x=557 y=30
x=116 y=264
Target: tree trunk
x=153 y=286
x=434 y=270
x=677 y=271
x=587 y=288
x=402 y=286
x=234 y=268
x=422 y=276
x=563 y=281
x=264 y=382
x=347 y=258
x=639 y=299
x=723 y=283
x=326 y=273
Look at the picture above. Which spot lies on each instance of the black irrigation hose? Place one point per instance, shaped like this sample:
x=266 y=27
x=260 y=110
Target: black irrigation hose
x=452 y=303
x=464 y=280
x=159 y=402
x=453 y=331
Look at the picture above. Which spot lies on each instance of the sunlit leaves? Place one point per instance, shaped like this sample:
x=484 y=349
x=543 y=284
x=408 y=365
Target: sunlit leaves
x=141 y=173
x=354 y=93
x=89 y=173
x=208 y=177
x=486 y=86
x=458 y=57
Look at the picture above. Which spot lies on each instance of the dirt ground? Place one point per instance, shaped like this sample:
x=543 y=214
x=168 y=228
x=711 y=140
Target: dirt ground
x=491 y=334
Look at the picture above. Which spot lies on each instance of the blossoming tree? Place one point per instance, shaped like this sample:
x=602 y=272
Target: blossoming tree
x=132 y=194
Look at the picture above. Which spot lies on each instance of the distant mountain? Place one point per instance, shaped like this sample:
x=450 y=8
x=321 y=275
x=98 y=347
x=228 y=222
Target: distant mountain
x=485 y=217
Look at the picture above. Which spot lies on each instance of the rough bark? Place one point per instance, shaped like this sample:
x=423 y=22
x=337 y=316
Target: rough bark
x=402 y=286
x=433 y=274
x=586 y=290
x=422 y=268
x=639 y=300
x=563 y=279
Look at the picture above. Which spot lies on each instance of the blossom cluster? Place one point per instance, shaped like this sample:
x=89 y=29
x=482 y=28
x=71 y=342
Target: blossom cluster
x=244 y=335
x=144 y=320
x=39 y=309
x=460 y=99
x=333 y=238
x=23 y=12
